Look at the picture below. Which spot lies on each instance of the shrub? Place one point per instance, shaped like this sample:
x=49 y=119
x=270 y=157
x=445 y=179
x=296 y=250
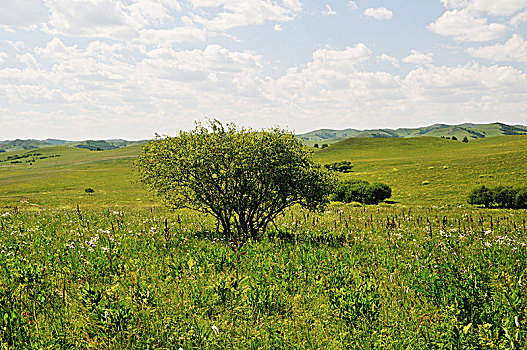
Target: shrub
x=343 y=167
x=481 y=196
x=499 y=196
x=521 y=198
x=324 y=145
x=361 y=191
x=89 y=190
x=504 y=196
x=243 y=178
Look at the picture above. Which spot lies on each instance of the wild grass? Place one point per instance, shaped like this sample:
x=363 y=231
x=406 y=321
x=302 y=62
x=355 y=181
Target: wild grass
x=360 y=278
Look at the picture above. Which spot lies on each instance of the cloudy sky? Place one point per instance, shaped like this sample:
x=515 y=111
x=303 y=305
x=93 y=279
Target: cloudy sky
x=79 y=69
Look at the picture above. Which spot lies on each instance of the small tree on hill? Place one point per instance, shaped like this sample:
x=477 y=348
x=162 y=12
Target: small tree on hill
x=243 y=178
x=465 y=139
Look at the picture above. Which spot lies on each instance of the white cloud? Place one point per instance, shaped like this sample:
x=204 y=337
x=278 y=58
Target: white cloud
x=419 y=58
x=379 y=13
x=167 y=37
x=492 y=7
x=515 y=49
x=328 y=11
x=3 y=56
x=239 y=13
x=21 y=13
x=392 y=60
x=91 y=18
x=498 y=7
x=519 y=19
x=463 y=26
x=278 y=28
x=352 y=5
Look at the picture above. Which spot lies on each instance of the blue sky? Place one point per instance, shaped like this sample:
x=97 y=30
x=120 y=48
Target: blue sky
x=80 y=69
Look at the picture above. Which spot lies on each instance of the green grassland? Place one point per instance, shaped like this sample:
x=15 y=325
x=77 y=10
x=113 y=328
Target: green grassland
x=421 y=171
x=351 y=278
x=432 y=171
x=121 y=273
x=60 y=180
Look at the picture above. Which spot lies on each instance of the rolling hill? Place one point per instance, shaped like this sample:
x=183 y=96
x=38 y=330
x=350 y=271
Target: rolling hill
x=94 y=145
x=421 y=171
x=471 y=131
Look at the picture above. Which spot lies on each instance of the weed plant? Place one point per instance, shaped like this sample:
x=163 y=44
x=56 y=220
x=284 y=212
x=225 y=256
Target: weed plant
x=357 y=278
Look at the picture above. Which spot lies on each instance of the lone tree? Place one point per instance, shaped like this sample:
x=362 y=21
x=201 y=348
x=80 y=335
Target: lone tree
x=243 y=178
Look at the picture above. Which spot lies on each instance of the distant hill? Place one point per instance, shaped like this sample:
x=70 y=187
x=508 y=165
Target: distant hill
x=15 y=145
x=471 y=131
x=94 y=145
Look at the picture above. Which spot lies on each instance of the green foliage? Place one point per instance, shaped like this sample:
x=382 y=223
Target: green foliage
x=481 y=196
x=465 y=139
x=350 y=278
x=521 y=198
x=324 y=145
x=454 y=138
x=343 y=166
x=499 y=197
x=89 y=190
x=361 y=191
x=243 y=178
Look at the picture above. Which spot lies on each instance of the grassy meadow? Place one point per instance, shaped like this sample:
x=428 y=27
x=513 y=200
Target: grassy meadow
x=119 y=272
x=422 y=171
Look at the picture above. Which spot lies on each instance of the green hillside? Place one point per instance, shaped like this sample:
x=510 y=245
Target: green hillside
x=59 y=175
x=94 y=145
x=471 y=131
x=421 y=171
x=432 y=171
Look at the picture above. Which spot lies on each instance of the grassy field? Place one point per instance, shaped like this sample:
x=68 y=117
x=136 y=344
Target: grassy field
x=121 y=273
x=352 y=278
x=60 y=180
x=421 y=171
x=433 y=171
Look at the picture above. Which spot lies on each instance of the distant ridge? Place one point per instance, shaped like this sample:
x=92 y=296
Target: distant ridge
x=94 y=145
x=469 y=130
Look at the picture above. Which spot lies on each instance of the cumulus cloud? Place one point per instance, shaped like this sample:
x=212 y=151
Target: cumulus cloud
x=3 y=56
x=328 y=11
x=238 y=13
x=492 y=7
x=514 y=50
x=21 y=13
x=419 y=58
x=380 y=13
x=386 y=58
x=91 y=18
x=462 y=25
x=519 y=19
x=498 y=8
x=352 y=5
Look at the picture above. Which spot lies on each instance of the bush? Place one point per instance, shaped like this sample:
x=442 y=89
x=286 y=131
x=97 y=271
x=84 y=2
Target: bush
x=481 y=196
x=504 y=196
x=89 y=190
x=343 y=167
x=499 y=197
x=521 y=198
x=243 y=178
x=361 y=191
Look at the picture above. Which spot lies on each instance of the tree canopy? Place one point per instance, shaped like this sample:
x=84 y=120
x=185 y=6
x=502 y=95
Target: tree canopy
x=243 y=178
